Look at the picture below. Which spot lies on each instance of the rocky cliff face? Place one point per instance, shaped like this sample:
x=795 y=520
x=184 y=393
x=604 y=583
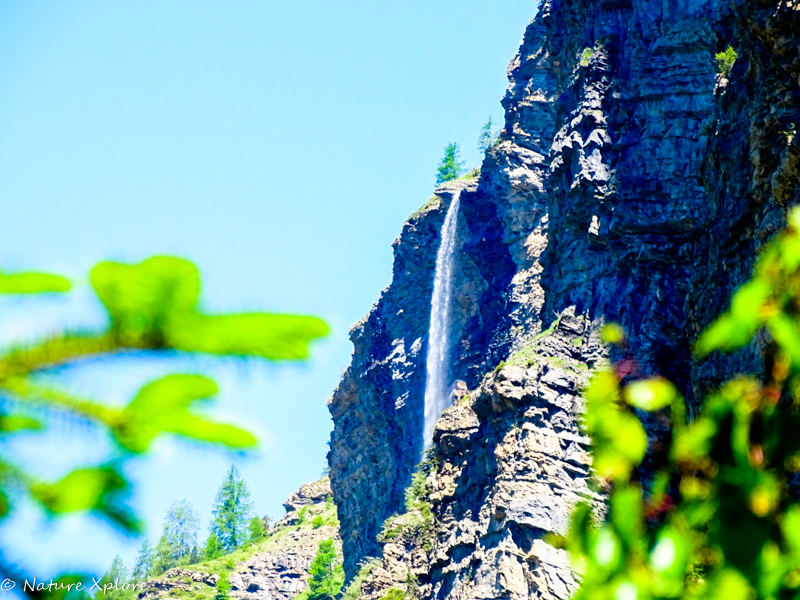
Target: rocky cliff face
x=633 y=183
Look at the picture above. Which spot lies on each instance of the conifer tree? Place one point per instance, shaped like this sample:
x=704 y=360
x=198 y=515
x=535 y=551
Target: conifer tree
x=450 y=168
x=487 y=138
x=117 y=574
x=232 y=508
x=144 y=563
x=163 y=559
x=178 y=542
x=223 y=588
x=257 y=530
x=213 y=548
x=327 y=574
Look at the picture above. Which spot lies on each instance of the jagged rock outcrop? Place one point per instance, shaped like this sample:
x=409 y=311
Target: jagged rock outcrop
x=511 y=467
x=276 y=568
x=310 y=494
x=633 y=183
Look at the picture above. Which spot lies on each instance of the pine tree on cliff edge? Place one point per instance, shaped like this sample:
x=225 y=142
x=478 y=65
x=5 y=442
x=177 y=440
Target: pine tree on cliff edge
x=487 y=138
x=450 y=168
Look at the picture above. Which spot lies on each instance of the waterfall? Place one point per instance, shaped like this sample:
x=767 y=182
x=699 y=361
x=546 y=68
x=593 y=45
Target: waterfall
x=437 y=368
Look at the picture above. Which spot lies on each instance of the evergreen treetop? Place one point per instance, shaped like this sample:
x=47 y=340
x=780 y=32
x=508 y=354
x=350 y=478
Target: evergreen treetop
x=232 y=508
x=487 y=137
x=257 y=530
x=223 y=588
x=117 y=574
x=213 y=548
x=450 y=168
x=178 y=542
x=327 y=574
x=144 y=563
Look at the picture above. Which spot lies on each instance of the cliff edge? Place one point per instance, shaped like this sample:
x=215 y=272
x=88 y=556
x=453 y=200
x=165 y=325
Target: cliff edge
x=635 y=180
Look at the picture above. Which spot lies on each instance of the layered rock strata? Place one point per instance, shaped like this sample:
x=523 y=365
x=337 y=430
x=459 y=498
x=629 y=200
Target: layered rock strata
x=511 y=465
x=634 y=182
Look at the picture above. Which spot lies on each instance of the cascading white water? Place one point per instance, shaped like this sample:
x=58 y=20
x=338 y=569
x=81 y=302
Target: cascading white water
x=437 y=377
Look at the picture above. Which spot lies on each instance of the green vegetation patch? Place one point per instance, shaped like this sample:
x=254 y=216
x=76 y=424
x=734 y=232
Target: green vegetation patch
x=394 y=594
x=586 y=56
x=434 y=202
x=353 y=590
x=725 y=60
x=327 y=574
x=417 y=523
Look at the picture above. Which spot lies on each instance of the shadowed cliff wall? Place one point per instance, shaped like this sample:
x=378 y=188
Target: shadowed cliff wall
x=633 y=183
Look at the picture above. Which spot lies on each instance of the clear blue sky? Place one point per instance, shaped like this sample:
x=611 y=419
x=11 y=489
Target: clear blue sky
x=278 y=145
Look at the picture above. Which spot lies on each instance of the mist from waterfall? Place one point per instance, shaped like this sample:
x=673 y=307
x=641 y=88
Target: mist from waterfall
x=437 y=376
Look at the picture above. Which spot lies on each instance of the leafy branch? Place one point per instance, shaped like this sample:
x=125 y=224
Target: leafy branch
x=714 y=516
x=152 y=306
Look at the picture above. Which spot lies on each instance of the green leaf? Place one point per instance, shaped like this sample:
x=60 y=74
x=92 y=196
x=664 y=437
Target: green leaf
x=98 y=489
x=606 y=549
x=612 y=333
x=618 y=439
x=784 y=331
x=793 y=218
x=631 y=440
x=621 y=446
x=694 y=441
x=154 y=304
x=626 y=515
x=736 y=327
x=162 y=406
x=11 y=423
x=650 y=394
x=626 y=590
x=765 y=495
x=82 y=489
x=32 y=283
x=730 y=584
x=670 y=555
x=788 y=251
x=601 y=394
x=791 y=528
x=142 y=299
x=580 y=528
x=268 y=335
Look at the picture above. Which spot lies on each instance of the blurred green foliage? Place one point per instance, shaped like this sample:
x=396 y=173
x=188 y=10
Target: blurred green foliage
x=32 y=283
x=713 y=514
x=153 y=306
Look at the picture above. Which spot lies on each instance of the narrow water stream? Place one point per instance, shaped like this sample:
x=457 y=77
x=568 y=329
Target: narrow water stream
x=437 y=377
